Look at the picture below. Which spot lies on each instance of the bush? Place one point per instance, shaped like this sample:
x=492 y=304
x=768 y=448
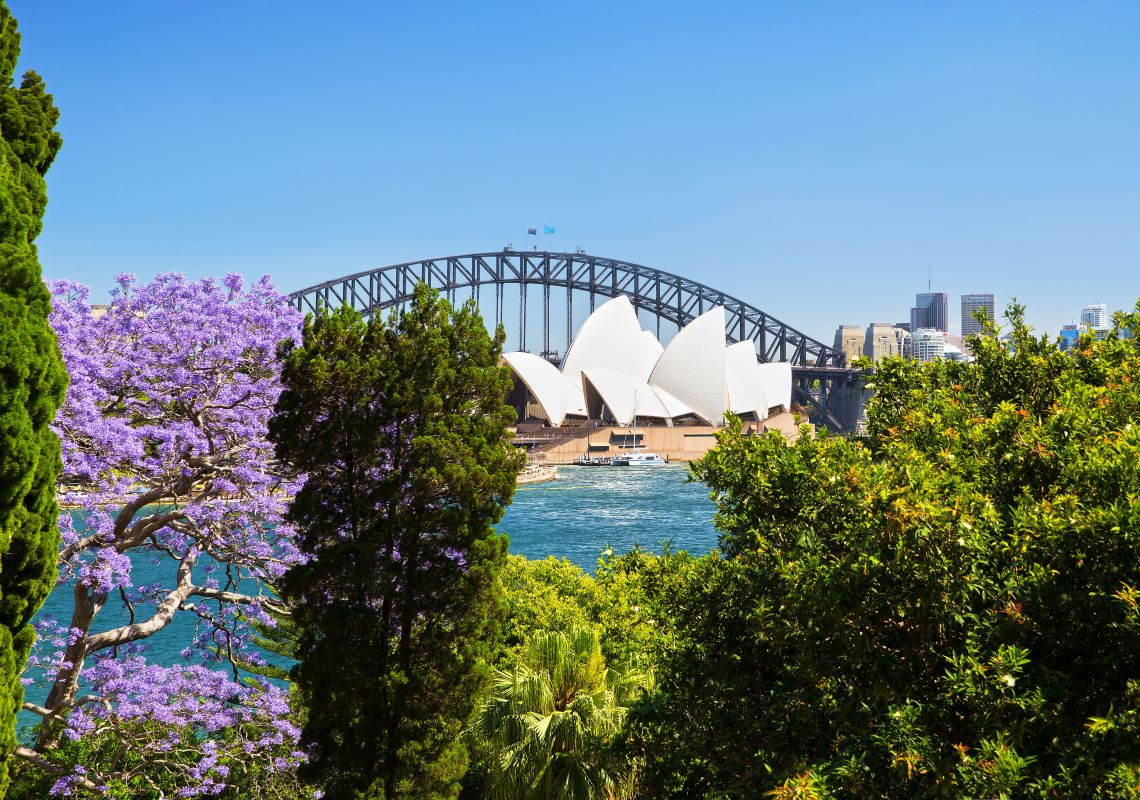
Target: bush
x=948 y=608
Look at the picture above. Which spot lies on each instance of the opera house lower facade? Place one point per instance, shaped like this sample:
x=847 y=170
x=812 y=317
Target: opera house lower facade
x=617 y=388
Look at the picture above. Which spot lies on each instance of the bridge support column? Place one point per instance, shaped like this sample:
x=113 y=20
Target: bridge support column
x=522 y=316
x=847 y=404
x=569 y=316
x=546 y=316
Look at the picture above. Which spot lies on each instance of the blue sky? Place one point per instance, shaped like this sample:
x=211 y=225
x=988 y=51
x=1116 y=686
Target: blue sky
x=814 y=159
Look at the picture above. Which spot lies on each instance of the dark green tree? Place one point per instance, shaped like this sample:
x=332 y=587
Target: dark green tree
x=32 y=377
x=401 y=428
x=948 y=608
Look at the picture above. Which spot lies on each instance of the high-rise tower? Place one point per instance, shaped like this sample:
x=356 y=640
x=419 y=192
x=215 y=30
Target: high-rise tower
x=1095 y=317
x=930 y=311
x=970 y=304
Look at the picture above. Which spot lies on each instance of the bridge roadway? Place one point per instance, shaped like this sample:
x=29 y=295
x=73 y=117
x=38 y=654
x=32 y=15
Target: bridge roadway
x=819 y=371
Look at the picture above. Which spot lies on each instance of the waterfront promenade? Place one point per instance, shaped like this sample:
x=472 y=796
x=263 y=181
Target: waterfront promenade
x=681 y=444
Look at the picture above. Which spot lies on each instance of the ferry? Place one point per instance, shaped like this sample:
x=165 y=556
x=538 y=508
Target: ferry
x=638 y=460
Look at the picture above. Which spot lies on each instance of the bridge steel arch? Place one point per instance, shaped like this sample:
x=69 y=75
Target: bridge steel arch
x=817 y=368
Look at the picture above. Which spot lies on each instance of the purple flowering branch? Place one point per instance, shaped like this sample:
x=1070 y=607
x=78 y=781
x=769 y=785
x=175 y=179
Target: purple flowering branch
x=166 y=457
x=173 y=716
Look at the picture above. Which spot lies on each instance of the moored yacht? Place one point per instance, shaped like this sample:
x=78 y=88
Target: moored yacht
x=637 y=458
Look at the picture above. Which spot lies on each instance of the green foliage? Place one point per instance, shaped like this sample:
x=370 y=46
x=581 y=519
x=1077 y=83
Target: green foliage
x=402 y=431
x=621 y=600
x=32 y=377
x=549 y=721
x=545 y=595
x=946 y=609
x=622 y=603
x=281 y=639
x=636 y=589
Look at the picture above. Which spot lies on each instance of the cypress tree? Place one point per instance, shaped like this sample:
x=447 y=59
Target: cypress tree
x=32 y=377
x=401 y=428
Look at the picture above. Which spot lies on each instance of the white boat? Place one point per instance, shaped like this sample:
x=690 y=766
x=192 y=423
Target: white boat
x=639 y=460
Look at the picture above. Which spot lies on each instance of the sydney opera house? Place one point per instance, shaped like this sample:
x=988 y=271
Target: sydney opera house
x=616 y=374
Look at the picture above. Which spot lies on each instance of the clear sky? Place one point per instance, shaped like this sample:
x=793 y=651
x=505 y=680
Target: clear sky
x=814 y=159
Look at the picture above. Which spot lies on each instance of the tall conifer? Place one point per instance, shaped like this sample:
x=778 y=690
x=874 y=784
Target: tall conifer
x=32 y=377
x=401 y=428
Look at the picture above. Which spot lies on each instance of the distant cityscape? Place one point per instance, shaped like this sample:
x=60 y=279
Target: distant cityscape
x=926 y=335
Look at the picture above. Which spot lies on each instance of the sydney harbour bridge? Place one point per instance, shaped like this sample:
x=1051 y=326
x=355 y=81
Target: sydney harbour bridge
x=822 y=380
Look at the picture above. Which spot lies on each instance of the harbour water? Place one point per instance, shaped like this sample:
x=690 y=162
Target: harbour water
x=574 y=517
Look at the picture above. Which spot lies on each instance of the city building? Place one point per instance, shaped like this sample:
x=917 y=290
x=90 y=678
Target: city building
x=1095 y=317
x=929 y=344
x=1070 y=334
x=931 y=310
x=954 y=353
x=903 y=341
x=616 y=373
x=849 y=341
x=970 y=304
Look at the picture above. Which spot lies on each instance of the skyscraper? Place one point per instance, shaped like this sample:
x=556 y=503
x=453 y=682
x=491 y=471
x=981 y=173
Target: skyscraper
x=970 y=303
x=1095 y=317
x=930 y=311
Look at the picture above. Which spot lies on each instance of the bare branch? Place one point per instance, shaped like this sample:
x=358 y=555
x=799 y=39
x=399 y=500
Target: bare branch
x=159 y=620
x=227 y=597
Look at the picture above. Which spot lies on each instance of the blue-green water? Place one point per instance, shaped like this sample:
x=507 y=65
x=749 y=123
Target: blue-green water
x=574 y=517
x=588 y=507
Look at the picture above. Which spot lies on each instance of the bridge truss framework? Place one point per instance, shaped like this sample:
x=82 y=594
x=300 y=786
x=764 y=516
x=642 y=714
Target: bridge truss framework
x=818 y=370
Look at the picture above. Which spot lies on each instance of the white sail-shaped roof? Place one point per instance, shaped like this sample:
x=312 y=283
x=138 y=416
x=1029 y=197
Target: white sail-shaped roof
x=745 y=381
x=613 y=362
x=627 y=397
x=672 y=405
x=611 y=338
x=776 y=381
x=692 y=367
x=650 y=351
x=550 y=388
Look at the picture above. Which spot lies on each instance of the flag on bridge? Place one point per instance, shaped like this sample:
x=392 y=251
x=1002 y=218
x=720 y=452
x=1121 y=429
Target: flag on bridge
x=547 y=229
x=532 y=231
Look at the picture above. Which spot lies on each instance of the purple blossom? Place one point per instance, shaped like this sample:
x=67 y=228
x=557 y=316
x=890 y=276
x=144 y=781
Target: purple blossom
x=110 y=569
x=165 y=453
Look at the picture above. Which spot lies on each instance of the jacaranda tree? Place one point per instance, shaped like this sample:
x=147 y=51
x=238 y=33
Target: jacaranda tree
x=400 y=426
x=166 y=461
x=32 y=378
x=948 y=608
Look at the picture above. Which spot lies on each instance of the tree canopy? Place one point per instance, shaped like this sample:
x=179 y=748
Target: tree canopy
x=400 y=427
x=947 y=608
x=165 y=458
x=32 y=377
